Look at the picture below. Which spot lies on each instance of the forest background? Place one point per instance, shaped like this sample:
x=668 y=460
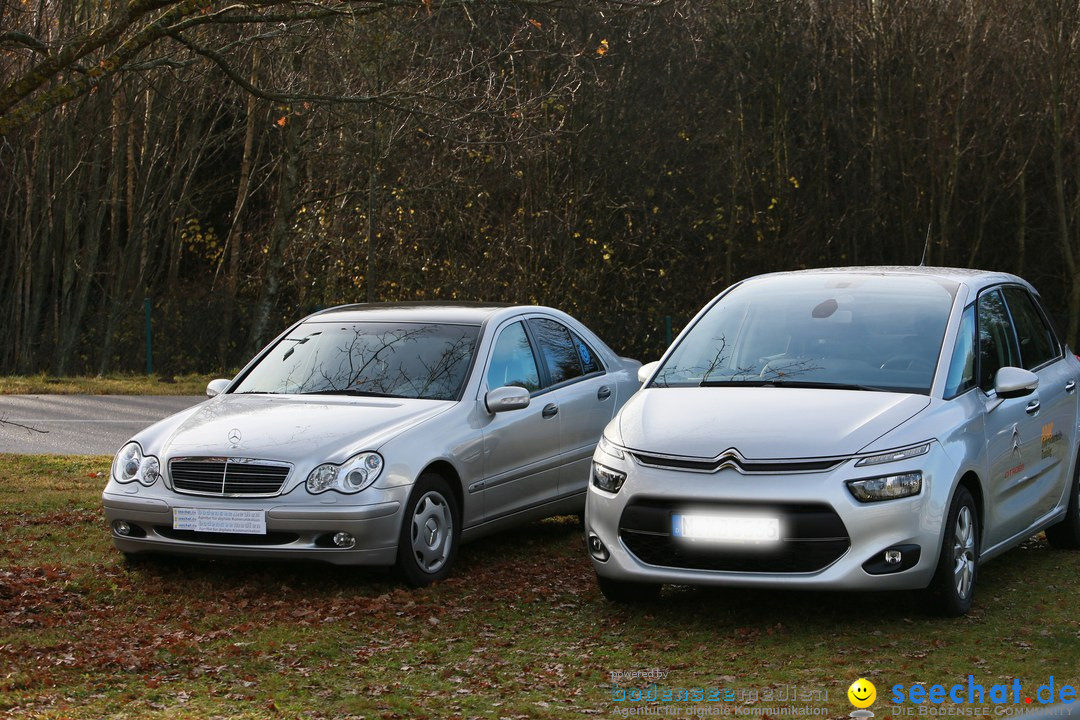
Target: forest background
x=235 y=165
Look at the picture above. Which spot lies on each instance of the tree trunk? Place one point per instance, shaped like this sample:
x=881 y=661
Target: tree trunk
x=280 y=232
x=236 y=230
x=117 y=286
x=1021 y=226
x=373 y=177
x=1064 y=238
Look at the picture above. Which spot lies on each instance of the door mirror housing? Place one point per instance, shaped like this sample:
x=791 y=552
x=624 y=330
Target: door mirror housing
x=645 y=371
x=216 y=387
x=1014 y=382
x=508 y=397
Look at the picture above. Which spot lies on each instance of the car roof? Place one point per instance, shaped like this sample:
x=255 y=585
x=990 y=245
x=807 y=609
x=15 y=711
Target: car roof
x=463 y=313
x=971 y=278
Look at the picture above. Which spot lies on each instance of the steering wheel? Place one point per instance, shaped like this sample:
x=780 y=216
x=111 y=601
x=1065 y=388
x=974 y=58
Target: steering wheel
x=907 y=362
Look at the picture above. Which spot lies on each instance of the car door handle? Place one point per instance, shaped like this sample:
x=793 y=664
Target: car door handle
x=1070 y=386
x=550 y=410
x=1033 y=407
x=603 y=393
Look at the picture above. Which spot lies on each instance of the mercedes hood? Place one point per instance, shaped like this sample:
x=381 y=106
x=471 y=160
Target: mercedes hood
x=291 y=428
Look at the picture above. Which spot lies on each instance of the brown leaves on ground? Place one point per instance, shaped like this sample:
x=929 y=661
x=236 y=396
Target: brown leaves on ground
x=36 y=596
x=177 y=620
x=58 y=519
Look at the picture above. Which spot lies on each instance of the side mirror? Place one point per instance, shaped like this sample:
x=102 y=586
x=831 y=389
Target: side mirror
x=645 y=371
x=216 y=387
x=1014 y=382
x=509 y=397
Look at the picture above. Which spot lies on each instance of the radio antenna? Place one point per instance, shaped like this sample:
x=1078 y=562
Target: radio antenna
x=926 y=246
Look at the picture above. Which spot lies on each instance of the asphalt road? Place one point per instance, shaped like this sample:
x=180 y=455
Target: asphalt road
x=80 y=424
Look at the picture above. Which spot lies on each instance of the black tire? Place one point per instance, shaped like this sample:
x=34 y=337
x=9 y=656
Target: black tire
x=1065 y=535
x=953 y=586
x=620 y=591
x=430 y=531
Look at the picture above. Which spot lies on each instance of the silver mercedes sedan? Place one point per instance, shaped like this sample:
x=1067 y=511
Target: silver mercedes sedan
x=376 y=435
x=865 y=429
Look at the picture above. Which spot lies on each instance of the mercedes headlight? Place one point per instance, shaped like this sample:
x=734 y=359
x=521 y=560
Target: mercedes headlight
x=131 y=465
x=351 y=476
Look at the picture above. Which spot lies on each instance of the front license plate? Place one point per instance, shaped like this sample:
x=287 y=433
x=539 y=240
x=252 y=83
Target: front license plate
x=726 y=528
x=245 y=522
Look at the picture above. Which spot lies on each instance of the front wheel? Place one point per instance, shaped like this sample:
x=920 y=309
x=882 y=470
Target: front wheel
x=953 y=586
x=1066 y=534
x=428 y=542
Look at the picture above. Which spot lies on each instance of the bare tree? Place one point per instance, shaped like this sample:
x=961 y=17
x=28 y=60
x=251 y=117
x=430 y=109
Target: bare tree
x=240 y=164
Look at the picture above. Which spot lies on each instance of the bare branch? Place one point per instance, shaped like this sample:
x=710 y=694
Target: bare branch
x=79 y=48
x=63 y=92
x=5 y=421
x=17 y=38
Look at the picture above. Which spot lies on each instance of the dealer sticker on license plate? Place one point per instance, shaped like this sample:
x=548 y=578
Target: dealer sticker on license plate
x=246 y=522
x=726 y=528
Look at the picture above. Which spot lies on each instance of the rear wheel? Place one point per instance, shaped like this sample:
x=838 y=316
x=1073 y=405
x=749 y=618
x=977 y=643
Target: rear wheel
x=620 y=591
x=1066 y=534
x=428 y=542
x=953 y=586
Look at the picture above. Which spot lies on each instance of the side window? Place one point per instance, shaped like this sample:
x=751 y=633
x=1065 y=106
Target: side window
x=512 y=361
x=997 y=345
x=557 y=349
x=589 y=362
x=962 y=365
x=1037 y=342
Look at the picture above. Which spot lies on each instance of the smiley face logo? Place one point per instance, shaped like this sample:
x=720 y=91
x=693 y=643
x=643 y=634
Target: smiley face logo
x=862 y=693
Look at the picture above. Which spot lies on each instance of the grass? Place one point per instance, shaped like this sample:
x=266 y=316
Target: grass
x=104 y=385
x=519 y=631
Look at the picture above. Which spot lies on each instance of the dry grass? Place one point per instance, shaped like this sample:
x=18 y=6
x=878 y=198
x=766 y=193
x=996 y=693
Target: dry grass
x=518 y=632
x=104 y=385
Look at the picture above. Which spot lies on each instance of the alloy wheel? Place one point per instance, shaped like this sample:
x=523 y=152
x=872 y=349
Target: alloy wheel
x=964 y=552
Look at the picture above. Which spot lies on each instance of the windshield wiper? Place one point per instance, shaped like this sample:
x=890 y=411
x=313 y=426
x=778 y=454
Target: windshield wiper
x=780 y=382
x=816 y=385
x=734 y=383
x=354 y=393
